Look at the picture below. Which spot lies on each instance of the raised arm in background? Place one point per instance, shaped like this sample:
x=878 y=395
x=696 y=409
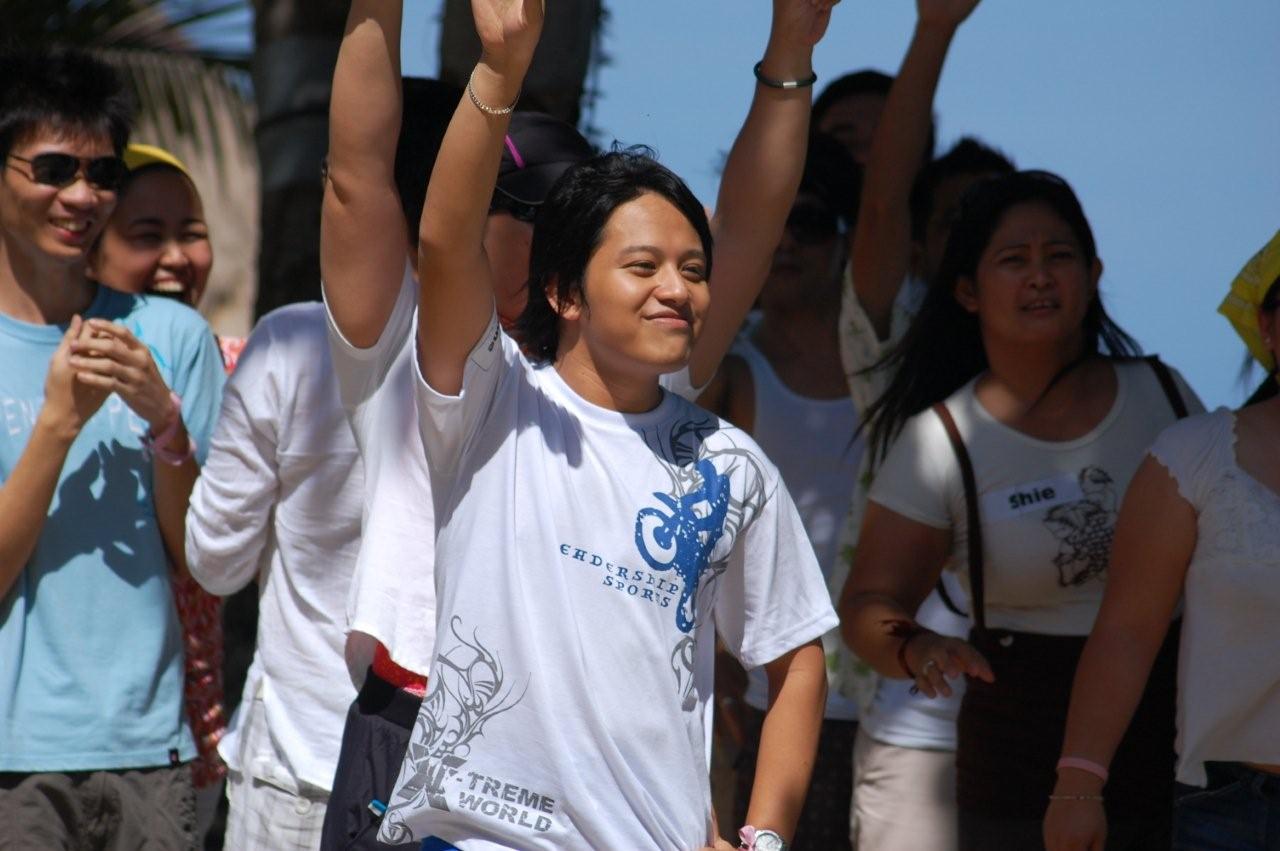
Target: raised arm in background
x=456 y=285
x=760 y=179
x=881 y=249
x=363 y=241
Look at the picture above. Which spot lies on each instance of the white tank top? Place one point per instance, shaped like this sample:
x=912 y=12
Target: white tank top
x=811 y=443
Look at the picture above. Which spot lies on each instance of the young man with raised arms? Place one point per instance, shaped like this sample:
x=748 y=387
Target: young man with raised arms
x=368 y=302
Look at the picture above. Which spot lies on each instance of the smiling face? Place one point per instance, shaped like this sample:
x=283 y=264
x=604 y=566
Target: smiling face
x=157 y=240
x=646 y=292
x=48 y=222
x=1033 y=283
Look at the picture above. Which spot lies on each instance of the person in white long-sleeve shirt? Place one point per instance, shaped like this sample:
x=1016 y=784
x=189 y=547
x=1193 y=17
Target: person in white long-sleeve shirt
x=280 y=501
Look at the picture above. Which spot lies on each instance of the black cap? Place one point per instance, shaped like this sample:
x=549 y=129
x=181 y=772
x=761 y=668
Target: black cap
x=538 y=150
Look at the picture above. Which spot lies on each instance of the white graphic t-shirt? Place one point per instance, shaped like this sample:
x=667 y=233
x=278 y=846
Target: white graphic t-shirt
x=1048 y=508
x=584 y=560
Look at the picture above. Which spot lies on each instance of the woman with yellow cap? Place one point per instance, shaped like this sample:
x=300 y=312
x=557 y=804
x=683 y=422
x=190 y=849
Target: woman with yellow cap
x=157 y=241
x=1201 y=525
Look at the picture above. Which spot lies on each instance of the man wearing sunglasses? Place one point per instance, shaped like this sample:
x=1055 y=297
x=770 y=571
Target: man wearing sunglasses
x=105 y=399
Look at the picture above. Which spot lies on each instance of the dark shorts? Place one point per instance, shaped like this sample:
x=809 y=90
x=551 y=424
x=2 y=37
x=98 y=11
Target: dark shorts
x=373 y=745
x=152 y=808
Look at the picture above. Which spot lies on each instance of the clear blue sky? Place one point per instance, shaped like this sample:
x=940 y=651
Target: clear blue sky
x=1162 y=115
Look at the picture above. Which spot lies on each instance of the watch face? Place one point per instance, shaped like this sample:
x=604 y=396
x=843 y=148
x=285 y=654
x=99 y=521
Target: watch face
x=767 y=840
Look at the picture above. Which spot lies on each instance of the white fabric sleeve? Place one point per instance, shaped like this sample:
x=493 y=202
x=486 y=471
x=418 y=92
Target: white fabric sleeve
x=360 y=372
x=861 y=348
x=918 y=473
x=773 y=599
x=1195 y=451
x=447 y=423
x=681 y=384
x=230 y=510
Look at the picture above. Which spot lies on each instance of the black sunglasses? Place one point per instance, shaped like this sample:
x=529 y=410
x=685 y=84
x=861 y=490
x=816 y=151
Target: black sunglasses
x=518 y=210
x=810 y=225
x=61 y=170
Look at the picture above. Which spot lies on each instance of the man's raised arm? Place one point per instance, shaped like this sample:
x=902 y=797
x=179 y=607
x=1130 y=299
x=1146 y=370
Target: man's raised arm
x=760 y=178
x=456 y=294
x=363 y=238
x=881 y=249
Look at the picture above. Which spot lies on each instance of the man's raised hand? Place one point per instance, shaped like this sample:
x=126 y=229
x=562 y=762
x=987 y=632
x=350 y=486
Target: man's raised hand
x=802 y=21
x=950 y=13
x=509 y=32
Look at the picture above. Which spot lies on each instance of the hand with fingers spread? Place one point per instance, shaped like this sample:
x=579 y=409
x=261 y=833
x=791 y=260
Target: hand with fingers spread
x=70 y=402
x=110 y=359
x=950 y=13
x=934 y=659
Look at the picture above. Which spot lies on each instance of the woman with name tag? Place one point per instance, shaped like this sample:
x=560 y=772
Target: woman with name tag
x=1200 y=524
x=1017 y=414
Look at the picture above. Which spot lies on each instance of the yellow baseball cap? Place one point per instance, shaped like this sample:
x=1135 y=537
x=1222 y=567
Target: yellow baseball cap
x=138 y=156
x=1247 y=292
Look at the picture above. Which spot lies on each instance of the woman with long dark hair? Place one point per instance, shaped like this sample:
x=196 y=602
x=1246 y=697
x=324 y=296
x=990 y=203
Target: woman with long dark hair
x=1017 y=414
x=1200 y=526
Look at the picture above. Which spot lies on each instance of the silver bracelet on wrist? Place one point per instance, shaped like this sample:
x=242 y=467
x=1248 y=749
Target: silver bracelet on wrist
x=484 y=107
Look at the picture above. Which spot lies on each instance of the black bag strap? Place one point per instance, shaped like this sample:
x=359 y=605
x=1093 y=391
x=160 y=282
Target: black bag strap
x=1168 y=385
x=977 y=599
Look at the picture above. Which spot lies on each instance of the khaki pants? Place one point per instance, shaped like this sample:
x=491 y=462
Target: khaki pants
x=153 y=808
x=904 y=799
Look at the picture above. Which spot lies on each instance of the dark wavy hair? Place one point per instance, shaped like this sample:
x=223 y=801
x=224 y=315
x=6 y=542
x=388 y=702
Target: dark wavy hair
x=867 y=81
x=1270 y=386
x=969 y=156
x=570 y=227
x=943 y=348
x=65 y=90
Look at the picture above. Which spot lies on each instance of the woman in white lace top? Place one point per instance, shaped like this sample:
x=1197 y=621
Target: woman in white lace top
x=1200 y=523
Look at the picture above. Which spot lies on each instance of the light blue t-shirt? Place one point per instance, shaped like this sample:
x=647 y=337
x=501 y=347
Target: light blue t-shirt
x=90 y=649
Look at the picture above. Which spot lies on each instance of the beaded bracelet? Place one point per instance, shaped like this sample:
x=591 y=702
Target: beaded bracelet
x=1076 y=798
x=783 y=84
x=484 y=107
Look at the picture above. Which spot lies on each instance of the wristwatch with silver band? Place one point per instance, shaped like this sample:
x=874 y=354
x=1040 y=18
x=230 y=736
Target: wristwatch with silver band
x=760 y=839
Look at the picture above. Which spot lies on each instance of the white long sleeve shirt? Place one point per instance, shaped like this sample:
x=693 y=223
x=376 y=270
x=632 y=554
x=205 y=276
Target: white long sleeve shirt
x=279 y=499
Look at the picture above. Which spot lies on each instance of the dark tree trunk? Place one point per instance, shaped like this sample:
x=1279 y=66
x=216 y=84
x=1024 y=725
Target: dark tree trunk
x=296 y=45
x=557 y=81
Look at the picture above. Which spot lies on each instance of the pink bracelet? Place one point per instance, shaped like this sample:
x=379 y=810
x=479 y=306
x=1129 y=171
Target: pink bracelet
x=158 y=445
x=1097 y=770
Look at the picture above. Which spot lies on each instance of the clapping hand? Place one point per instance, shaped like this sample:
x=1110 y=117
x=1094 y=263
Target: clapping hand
x=109 y=359
x=69 y=401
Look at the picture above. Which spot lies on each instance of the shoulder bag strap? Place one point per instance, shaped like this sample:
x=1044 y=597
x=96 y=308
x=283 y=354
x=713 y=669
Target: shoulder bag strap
x=1168 y=385
x=977 y=599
